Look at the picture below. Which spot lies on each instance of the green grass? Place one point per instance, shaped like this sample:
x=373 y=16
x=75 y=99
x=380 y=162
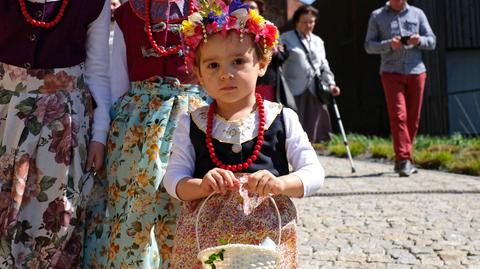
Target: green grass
x=456 y=154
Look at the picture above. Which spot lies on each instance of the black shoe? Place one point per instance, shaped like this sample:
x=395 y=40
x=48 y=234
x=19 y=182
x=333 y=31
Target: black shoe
x=396 y=167
x=406 y=168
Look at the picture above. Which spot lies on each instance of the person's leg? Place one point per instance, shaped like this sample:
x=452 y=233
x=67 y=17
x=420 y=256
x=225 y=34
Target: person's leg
x=414 y=98
x=394 y=87
x=314 y=117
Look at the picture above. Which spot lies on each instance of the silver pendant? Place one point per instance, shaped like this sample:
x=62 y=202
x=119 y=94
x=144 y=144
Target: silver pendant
x=237 y=148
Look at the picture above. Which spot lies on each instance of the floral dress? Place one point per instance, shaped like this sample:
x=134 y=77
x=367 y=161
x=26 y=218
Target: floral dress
x=43 y=201
x=141 y=215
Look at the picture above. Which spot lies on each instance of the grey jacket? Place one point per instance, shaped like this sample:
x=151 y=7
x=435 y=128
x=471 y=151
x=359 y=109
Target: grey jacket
x=297 y=70
x=384 y=24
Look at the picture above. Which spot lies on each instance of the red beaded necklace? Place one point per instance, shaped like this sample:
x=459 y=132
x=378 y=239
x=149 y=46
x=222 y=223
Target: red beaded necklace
x=42 y=24
x=161 y=50
x=258 y=145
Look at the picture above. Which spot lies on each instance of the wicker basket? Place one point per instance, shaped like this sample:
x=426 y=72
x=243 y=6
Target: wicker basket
x=240 y=256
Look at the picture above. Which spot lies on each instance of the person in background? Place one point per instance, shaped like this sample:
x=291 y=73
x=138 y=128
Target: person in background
x=301 y=43
x=399 y=32
x=150 y=88
x=272 y=86
x=55 y=95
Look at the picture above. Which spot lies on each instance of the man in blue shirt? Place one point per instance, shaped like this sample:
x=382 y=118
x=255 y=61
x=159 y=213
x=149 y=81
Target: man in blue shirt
x=399 y=32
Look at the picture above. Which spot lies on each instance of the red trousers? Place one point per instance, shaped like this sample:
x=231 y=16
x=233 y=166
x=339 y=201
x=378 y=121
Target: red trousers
x=404 y=95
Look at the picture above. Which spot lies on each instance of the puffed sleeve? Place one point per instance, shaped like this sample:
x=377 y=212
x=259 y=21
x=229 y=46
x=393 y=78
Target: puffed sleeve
x=182 y=160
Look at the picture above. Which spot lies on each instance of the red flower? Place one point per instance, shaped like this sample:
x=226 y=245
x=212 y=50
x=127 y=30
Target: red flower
x=57 y=215
x=63 y=141
x=59 y=81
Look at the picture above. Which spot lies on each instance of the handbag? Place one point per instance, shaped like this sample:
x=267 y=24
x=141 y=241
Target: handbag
x=321 y=89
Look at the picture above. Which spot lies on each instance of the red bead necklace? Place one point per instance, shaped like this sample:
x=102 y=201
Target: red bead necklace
x=256 y=150
x=160 y=50
x=42 y=24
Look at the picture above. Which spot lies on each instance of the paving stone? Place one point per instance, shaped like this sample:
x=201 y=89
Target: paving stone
x=410 y=231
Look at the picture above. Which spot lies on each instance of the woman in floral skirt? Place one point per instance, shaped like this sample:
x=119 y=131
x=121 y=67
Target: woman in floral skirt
x=53 y=60
x=150 y=88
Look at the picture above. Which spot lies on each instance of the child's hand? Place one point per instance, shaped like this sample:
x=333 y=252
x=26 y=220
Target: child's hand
x=264 y=183
x=96 y=151
x=219 y=180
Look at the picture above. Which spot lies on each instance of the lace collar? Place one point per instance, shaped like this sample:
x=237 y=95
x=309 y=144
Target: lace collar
x=238 y=131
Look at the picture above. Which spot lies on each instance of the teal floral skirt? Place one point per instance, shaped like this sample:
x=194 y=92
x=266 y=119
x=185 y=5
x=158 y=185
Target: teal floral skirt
x=140 y=224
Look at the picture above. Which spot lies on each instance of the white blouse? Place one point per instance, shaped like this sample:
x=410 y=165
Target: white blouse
x=97 y=72
x=300 y=153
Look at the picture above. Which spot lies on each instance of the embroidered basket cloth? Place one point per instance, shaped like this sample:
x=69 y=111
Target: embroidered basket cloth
x=240 y=256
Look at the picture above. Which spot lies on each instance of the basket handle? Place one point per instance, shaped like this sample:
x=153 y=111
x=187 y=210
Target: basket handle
x=197 y=220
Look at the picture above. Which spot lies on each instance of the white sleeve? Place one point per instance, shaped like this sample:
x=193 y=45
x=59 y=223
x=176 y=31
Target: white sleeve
x=120 y=82
x=96 y=72
x=301 y=155
x=182 y=160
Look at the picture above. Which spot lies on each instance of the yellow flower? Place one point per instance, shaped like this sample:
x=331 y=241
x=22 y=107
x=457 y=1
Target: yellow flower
x=256 y=18
x=142 y=179
x=154 y=131
x=131 y=191
x=188 y=28
x=165 y=251
x=143 y=238
x=113 y=250
x=114 y=192
x=132 y=137
x=152 y=152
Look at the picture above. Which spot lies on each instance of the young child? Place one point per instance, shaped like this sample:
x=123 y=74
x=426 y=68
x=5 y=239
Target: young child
x=238 y=134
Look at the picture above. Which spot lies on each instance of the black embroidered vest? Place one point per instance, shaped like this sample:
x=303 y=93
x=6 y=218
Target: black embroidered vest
x=272 y=156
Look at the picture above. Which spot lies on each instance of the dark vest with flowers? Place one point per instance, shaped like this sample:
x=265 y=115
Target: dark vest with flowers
x=142 y=61
x=24 y=45
x=272 y=157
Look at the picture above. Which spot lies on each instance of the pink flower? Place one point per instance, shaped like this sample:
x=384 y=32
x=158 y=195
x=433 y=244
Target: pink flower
x=49 y=108
x=5 y=203
x=64 y=140
x=15 y=73
x=59 y=81
x=212 y=28
x=57 y=215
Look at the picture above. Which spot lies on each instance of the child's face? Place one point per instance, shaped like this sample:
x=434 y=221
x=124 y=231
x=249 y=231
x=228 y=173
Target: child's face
x=228 y=69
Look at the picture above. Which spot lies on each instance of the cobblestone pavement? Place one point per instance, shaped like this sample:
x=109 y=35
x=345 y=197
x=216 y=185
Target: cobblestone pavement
x=393 y=231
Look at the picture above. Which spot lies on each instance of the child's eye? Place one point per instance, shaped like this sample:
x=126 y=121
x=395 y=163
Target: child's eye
x=238 y=61
x=212 y=65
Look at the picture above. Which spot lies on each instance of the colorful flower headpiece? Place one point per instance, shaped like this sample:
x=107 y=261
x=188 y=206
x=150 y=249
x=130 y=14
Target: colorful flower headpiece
x=215 y=16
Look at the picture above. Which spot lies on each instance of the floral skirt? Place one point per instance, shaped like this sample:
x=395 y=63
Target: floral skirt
x=139 y=229
x=45 y=118
x=235 y=218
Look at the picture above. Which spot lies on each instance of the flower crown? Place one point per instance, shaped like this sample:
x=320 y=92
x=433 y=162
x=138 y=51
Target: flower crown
x=215 y=16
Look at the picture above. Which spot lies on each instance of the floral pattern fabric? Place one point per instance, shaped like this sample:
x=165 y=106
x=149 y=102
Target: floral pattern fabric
x=139 y=229
x=45 y=118
x=236 y=218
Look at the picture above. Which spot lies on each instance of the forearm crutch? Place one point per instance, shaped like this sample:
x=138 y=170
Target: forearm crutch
x=345 y=141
